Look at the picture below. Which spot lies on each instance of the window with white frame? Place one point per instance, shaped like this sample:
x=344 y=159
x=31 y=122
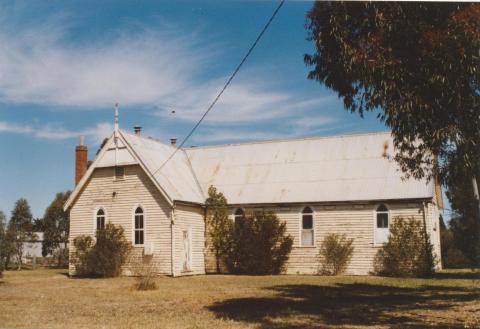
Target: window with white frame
x=382 y=224
x=100 y=217
x=307 y=234
x=238 y=214
x=139 y=228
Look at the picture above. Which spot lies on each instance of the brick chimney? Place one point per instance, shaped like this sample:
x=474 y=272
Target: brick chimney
x=137 y=130
x=81 y=159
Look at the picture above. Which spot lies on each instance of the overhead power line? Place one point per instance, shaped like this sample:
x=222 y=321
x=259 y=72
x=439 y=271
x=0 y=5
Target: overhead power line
x=224 y=87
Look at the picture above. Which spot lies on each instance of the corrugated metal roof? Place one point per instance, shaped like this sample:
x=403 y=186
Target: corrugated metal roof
x=336 y=168
x=176 y=177
x=322 y=169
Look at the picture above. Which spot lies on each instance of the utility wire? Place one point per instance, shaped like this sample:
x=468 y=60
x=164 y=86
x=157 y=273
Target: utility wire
x=224 y=87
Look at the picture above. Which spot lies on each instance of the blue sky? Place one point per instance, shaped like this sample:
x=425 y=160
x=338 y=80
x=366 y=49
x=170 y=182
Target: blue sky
x=63 y=66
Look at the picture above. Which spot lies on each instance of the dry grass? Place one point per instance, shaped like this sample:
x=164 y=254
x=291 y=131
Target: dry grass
x=49 y=299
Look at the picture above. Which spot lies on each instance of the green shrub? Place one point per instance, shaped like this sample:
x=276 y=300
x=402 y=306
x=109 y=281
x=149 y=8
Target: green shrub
x=83 y=245
x=259 y=245
x=110 y=252
x=335 y=254
x=103 y=257
x=408 y=252
x=60 y=257
x=218 y=226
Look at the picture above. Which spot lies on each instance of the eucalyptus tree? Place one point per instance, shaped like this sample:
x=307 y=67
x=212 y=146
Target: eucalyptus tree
x=417 y=66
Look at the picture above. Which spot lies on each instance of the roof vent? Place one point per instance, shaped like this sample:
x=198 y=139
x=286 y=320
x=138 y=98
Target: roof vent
x=173 y=141
x=137 y=130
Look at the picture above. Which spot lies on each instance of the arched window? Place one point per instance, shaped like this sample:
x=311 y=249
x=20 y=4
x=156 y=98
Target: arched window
x=382 y=223
x=100 y=219
x=139 y=229
x=238 y=214
x=307 y=237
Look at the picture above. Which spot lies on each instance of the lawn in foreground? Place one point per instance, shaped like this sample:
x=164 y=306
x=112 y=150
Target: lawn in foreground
x=50 y=299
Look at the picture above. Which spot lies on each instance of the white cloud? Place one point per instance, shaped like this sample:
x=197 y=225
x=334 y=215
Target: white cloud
x=161 y=70
x=313 y=121
x=235 y=135
x=247 y=100
x=57 y=132
x=38 y=66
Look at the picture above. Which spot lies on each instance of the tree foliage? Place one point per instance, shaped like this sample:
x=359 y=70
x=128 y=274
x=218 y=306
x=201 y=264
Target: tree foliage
x=259 y=245
x=415 y=63
x=408 y=252
x=20 y=229
x=56 y=225
x=219 y=226
x=3 y=232
x=335 y=254
x=452 y=256
x=7 y=247
x=462 y=238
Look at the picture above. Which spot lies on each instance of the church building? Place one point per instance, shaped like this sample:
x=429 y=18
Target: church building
x=344 y=184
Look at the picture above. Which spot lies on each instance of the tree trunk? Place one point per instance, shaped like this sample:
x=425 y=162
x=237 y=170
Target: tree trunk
x=7 y=262
x=477 y=199
x=475 y=193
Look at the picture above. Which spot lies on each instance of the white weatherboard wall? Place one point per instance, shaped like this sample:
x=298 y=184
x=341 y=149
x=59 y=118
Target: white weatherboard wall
x=355 y=220
x=189 y=218
x=134 y=190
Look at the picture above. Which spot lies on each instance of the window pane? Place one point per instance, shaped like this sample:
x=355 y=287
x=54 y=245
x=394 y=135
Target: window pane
x=307 y=237
x=140 y=233
x=307 y=210
x=307 y=222
x=100 y=222
x=100 y=212
x=119 y=172
x=138 y=221
x=239 y=212
x=137 y=237
x=382 y=220
x=382 y=207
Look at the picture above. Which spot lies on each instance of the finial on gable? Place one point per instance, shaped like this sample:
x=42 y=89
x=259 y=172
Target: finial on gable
x=116 y=119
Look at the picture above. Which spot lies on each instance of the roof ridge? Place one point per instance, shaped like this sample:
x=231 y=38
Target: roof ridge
x=281 y=140
x=194 y=174
x=278 y=140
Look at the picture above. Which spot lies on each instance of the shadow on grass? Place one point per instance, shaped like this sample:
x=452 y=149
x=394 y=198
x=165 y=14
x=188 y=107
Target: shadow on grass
x=311 y=306
x=66 y=274
x=459 y=275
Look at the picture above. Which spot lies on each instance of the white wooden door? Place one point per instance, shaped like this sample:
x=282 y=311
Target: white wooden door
x=187 y=251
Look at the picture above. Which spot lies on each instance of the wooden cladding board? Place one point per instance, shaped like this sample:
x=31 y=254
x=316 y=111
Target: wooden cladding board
x=119 y=198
